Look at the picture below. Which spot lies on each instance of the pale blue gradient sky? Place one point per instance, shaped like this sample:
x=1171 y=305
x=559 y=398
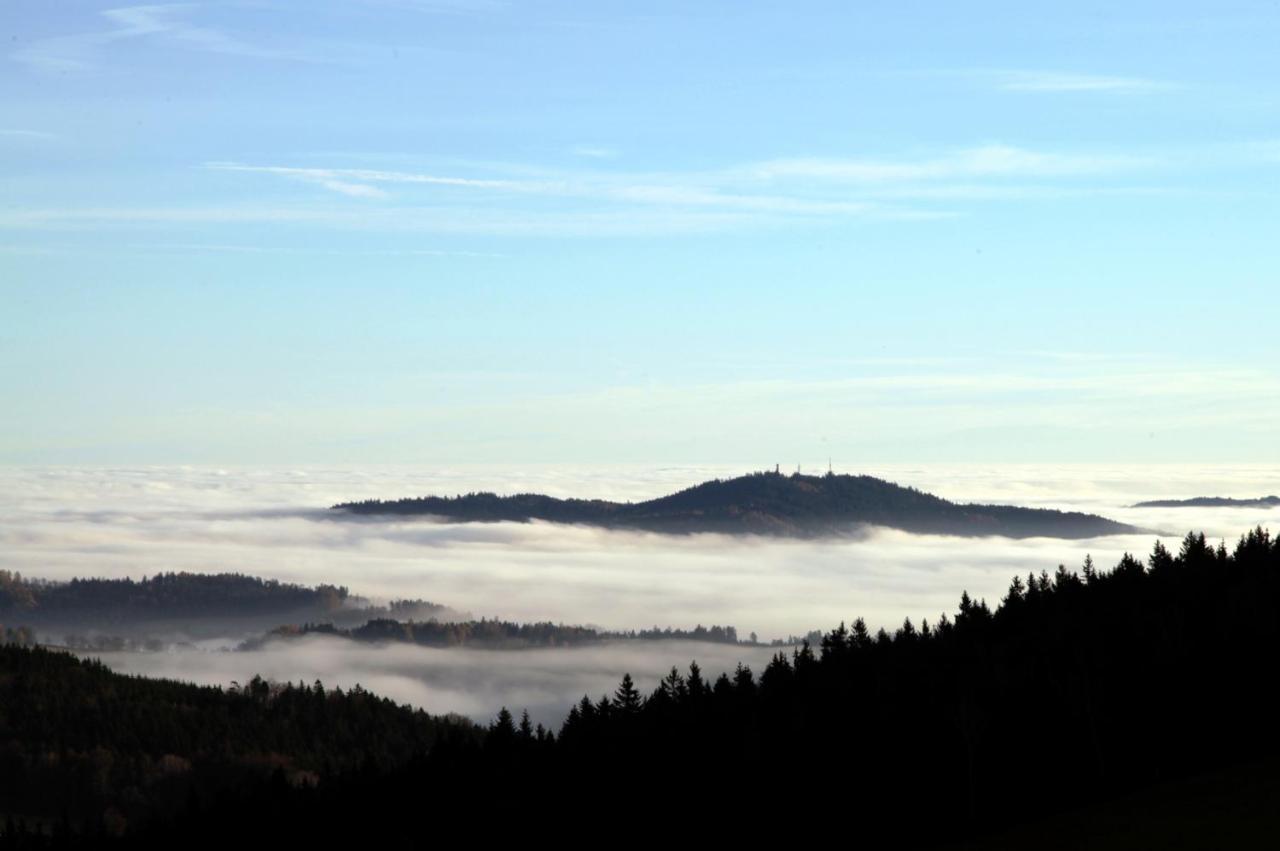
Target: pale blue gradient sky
x=399 y=231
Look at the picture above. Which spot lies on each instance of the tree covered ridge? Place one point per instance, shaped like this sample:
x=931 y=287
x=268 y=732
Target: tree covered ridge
x=493 y=633
x=167 y=594
x=192 y=602
x=763 y=503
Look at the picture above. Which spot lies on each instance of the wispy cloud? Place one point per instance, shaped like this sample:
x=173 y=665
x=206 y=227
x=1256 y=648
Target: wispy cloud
x=594 y=152
x=497 y=198
x=358 y=181
x=355 y=190
x=458 y=220
x=1036 y=80
x=986 y=161
x=1050 y=81
x=33 y=135
x=166 y=23
x=810 y=187
x=444 y=7
x=639 y=190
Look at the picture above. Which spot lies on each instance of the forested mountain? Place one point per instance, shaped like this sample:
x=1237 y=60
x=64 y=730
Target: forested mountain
x=1212 y=502
x=764 y=504
x=193 y=603
x=1074 y=691
x=491 y=634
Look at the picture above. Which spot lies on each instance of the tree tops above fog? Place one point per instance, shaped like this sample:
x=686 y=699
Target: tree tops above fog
x=494 y=634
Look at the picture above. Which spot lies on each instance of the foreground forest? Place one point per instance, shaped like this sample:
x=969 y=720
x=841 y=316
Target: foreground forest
x=1073 y=694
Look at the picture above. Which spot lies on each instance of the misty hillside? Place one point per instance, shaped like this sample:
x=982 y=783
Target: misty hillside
x=1212 y=502
x=765 y=504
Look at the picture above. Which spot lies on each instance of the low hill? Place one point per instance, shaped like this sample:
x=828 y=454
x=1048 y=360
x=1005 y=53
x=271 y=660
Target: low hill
x=765 y=504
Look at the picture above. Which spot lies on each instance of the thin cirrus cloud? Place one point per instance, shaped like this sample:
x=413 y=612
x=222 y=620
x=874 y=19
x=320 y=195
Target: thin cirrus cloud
x=402 y=219
x=638 y=191
x=505 y=199
x=1040 y=81
x=594 y=152
x=165 y=23
x=1049 y=81
x=991 y=161
x=443 y=7
x=983 y=162
x=808 y=187
x=32 y=135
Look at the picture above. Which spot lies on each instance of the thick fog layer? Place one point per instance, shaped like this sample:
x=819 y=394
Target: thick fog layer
x=476 y=683
x=58 y=523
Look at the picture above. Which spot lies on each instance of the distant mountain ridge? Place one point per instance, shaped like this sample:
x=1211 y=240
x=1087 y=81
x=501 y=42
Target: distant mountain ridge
x=767 y=503
x=1212 y=502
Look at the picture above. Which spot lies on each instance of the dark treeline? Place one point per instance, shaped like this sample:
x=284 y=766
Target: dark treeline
x=1077 y=688
x=764 y=504
x=193 y=602
x=492 y=634
x=164 y=595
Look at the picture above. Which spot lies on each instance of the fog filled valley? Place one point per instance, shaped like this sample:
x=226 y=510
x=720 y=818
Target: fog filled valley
x=61 y=523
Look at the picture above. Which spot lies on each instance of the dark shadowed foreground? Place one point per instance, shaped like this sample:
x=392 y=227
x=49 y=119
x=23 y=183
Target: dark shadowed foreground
x=1075 y=694
x=765 y=504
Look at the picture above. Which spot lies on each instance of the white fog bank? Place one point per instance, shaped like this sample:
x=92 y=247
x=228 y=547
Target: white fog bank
x=475 y=683
x=58 y=523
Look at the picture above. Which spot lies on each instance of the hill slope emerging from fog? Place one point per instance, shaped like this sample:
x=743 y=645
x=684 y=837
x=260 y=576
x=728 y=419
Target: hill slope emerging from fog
x=764 y=504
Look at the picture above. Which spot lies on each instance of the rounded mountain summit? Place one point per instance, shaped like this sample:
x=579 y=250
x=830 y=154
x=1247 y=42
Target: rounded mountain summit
x=767 y=503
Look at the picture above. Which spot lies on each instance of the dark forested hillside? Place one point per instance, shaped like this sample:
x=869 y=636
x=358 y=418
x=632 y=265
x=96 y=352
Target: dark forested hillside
x=765 y=504
x=83 y=748
x=191 y=602
x=163 y=595
x=1073 y=692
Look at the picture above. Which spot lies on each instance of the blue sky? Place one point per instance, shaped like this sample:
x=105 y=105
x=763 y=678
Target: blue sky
x=468 y=230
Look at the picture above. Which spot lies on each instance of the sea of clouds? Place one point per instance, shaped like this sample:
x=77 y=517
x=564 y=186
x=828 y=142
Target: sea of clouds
x=57 y=523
